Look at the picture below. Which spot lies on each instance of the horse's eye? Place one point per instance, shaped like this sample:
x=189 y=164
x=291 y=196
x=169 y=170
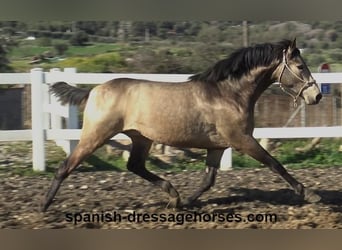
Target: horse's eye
x=300 y=67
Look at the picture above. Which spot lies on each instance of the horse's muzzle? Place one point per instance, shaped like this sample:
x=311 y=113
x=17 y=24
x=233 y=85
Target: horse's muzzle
x=313 y=100
x=318 y=98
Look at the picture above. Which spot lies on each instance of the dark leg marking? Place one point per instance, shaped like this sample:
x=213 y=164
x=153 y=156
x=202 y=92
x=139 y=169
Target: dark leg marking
x=213 y=163
x=136 y=164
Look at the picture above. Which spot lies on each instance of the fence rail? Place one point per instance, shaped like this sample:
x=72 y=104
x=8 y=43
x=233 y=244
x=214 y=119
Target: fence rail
x=47 y=112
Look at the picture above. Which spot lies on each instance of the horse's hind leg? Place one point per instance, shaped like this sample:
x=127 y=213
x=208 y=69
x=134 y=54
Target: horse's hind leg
x=136 y=164
x=212 y=163
x=90 y=140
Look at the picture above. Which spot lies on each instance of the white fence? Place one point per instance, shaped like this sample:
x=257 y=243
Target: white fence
x=47 y=112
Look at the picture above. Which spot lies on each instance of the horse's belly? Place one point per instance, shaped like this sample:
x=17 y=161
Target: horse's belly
x=172 y=124
x=184 y=137
x=198 y=142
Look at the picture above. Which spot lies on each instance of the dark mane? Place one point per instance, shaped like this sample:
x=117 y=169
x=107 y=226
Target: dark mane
x=242 y=61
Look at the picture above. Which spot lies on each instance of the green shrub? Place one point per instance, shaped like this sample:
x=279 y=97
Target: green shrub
x=104 y=63
x=79 y=38
x=44 y=42
x=61 y=48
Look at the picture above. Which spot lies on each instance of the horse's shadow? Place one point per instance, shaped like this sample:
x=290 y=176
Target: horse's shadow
x=287 y=197
x=332 y=198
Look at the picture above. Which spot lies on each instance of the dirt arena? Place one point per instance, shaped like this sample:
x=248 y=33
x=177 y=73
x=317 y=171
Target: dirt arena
x=249 y=198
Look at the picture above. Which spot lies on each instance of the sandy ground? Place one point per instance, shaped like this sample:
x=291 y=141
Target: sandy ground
x=249 y=198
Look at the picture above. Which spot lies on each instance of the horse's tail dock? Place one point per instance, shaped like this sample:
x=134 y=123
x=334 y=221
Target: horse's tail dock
x=69 y=94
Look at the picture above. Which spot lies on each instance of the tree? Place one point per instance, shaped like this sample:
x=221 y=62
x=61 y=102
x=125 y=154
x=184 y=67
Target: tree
x=61 y=48
x=210 y=35
x=143 y=30
x=331 y=35
x=5 y=46
x=165 y=28
x=80 y=38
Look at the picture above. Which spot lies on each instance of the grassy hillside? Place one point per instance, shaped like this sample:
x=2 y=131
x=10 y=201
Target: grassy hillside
x=171 y=47
x=155 y=58
x=124 y=58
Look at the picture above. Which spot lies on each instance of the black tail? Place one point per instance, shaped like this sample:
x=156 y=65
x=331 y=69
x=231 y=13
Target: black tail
x=69 y=94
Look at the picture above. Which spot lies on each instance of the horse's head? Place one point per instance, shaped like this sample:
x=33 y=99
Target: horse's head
x=295 y=77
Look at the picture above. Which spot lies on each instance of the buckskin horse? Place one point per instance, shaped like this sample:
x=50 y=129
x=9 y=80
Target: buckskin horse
x=213 y=110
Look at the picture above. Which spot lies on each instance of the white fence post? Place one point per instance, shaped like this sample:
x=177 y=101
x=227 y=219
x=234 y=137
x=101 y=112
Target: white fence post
x=71 y=119
x=37 y=123
x=226 y=160
x=70 y=113
x=56 y=119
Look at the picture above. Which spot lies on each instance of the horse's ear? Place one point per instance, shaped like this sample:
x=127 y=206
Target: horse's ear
x=291 y=48
x=293 y=44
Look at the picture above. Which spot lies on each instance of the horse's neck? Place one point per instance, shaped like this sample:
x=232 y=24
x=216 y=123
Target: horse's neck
x=258 y=82
x=260 y=88
x=251 y=86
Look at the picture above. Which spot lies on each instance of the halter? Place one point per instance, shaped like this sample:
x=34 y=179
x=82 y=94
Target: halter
x=294 y=96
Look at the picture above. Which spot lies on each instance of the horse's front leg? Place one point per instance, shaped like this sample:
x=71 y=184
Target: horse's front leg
x=212 y=163
x=248 y=145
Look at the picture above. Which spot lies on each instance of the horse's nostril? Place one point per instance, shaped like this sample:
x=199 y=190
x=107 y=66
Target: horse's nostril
x=318 y=97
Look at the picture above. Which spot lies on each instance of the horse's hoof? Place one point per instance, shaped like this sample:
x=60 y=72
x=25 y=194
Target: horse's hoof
x=187 y=202
x=311 y=197
x=174 y=202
